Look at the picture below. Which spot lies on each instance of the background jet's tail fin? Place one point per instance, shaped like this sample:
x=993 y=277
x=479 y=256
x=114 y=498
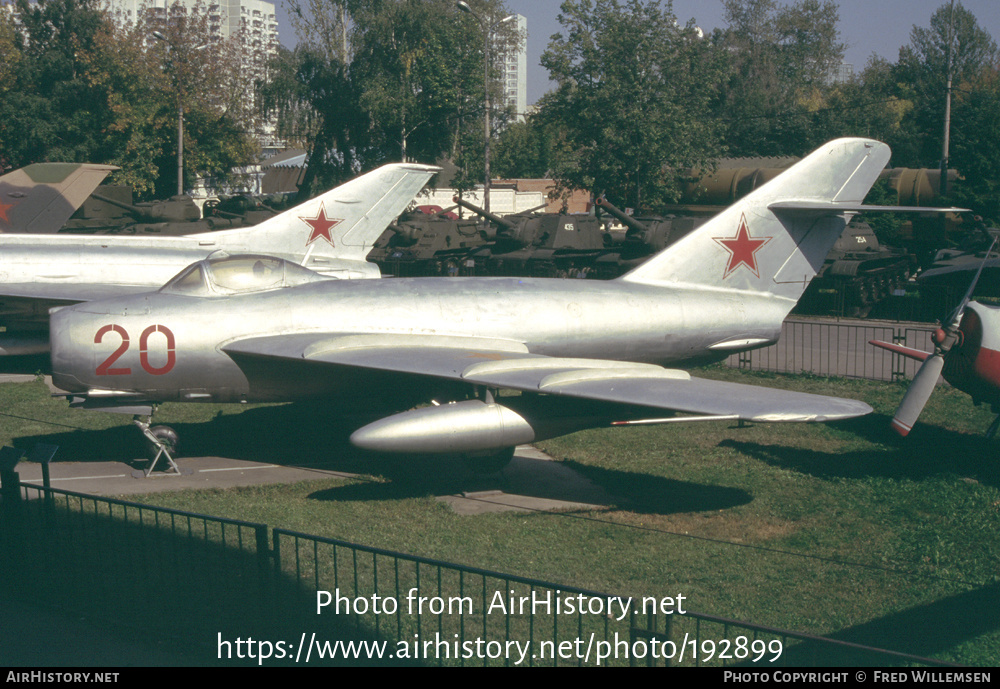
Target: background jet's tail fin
x=341 y=224
x=776 y=238
x=40 y=198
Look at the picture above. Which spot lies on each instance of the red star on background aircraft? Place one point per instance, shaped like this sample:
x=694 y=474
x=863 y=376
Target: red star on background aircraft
x=321 y=226
x=3 y=211
x=742 y=248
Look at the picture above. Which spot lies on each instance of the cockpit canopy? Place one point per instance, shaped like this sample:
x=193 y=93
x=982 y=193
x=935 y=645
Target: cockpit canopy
x=226 y=275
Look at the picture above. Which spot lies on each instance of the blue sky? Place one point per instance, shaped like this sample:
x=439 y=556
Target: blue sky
x=866 y=26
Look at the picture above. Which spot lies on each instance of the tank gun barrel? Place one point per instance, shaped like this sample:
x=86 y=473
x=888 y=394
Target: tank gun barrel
x=444 y=211
x=175 y=209
x=626 y=220
x=134 y=211
x=495 y=219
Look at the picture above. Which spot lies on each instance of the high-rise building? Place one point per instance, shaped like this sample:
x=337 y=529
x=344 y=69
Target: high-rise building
x=515 y=71
x=252 y=21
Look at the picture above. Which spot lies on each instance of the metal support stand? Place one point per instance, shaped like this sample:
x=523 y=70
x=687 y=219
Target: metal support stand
x=161 y=448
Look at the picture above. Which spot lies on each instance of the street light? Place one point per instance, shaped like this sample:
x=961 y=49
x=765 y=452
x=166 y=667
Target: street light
x=487 y=30
x=943 y=185
x=180 y=117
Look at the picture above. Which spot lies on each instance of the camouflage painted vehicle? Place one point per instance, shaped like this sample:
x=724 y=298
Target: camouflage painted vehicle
x=544 y=245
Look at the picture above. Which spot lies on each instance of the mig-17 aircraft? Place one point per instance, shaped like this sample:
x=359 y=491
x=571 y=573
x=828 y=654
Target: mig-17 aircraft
x=331 y=234
x=580 y=352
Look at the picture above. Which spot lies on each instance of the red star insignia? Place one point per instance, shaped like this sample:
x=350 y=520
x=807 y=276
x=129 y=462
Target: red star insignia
x=742 y=248
x=3 y=211
x=321 y=226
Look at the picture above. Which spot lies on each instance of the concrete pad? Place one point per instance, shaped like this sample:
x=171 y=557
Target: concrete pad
x=119 y=478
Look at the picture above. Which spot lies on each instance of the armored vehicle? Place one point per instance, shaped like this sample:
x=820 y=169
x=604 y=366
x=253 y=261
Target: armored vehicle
x=545 y=245
x=429 y=241
x=646 y=235
x=858 y=273
x=109 y=210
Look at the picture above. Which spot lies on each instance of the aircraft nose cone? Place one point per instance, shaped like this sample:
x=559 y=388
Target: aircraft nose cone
x=65 y=352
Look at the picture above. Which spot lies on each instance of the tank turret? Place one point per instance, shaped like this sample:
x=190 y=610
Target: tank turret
x=421 y=244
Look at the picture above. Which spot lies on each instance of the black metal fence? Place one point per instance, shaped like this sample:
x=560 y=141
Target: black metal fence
x=839 y=348
x=113 y=558
x=447 y=614
x=169 y=576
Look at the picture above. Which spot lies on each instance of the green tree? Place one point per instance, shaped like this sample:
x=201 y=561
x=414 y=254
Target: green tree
x=89 y=90
x=779 y=60
x=203 y=78
x=524 y=150
x=374 y=81
x=414 y=72
x=634 y=89
x=867 y=105
x=975 y=149
x=953 y=38
x=51 y=111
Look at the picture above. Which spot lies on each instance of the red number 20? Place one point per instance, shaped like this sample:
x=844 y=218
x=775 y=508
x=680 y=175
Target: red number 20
x=105 y=368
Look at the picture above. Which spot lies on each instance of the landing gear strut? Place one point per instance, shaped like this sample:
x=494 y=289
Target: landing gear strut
x=161 y=441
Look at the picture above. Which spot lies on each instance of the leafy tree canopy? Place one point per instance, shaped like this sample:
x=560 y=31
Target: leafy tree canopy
x=633 y=88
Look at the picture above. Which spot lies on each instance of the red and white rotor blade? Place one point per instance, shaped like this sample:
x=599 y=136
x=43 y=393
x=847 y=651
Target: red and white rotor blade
x=917 y=394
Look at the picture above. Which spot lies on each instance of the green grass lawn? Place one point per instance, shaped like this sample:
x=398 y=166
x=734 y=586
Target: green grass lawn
x=842 y=529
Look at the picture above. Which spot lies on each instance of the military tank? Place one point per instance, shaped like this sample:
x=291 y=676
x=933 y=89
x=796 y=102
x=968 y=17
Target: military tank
x=522 y=244
x=858 y=273
x=427 y=242
x=647 y=235
x=543 y=244
x=109 y=210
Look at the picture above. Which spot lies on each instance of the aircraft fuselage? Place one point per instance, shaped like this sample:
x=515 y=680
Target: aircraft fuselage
x=167 y=346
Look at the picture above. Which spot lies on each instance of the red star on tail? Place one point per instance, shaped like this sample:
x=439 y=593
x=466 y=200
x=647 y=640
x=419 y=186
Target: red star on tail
x=742 y=248
x=3 y=211
x=321 y=226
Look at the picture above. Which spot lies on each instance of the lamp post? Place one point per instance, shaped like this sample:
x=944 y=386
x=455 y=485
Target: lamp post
x=943 y=186
x=487 y=30
x=180 y=115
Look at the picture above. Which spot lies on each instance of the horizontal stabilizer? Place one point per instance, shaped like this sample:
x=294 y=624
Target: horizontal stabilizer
x=847 y=207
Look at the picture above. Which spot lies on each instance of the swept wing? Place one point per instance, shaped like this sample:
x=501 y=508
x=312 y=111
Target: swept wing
x=506 y=364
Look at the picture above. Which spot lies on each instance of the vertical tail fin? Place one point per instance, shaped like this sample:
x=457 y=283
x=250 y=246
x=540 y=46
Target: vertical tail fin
x=341 y=224
x=776 y=238
x=40 y=198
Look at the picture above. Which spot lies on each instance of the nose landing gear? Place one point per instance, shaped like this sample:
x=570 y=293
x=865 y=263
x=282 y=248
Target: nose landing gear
x=161 y=441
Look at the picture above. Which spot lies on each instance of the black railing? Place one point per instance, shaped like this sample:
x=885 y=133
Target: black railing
x=470 y=608
x=96 y=555
x=208 y=581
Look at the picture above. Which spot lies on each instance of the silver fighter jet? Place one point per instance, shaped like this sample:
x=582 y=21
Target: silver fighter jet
x=330 y=234
x=581 y=352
